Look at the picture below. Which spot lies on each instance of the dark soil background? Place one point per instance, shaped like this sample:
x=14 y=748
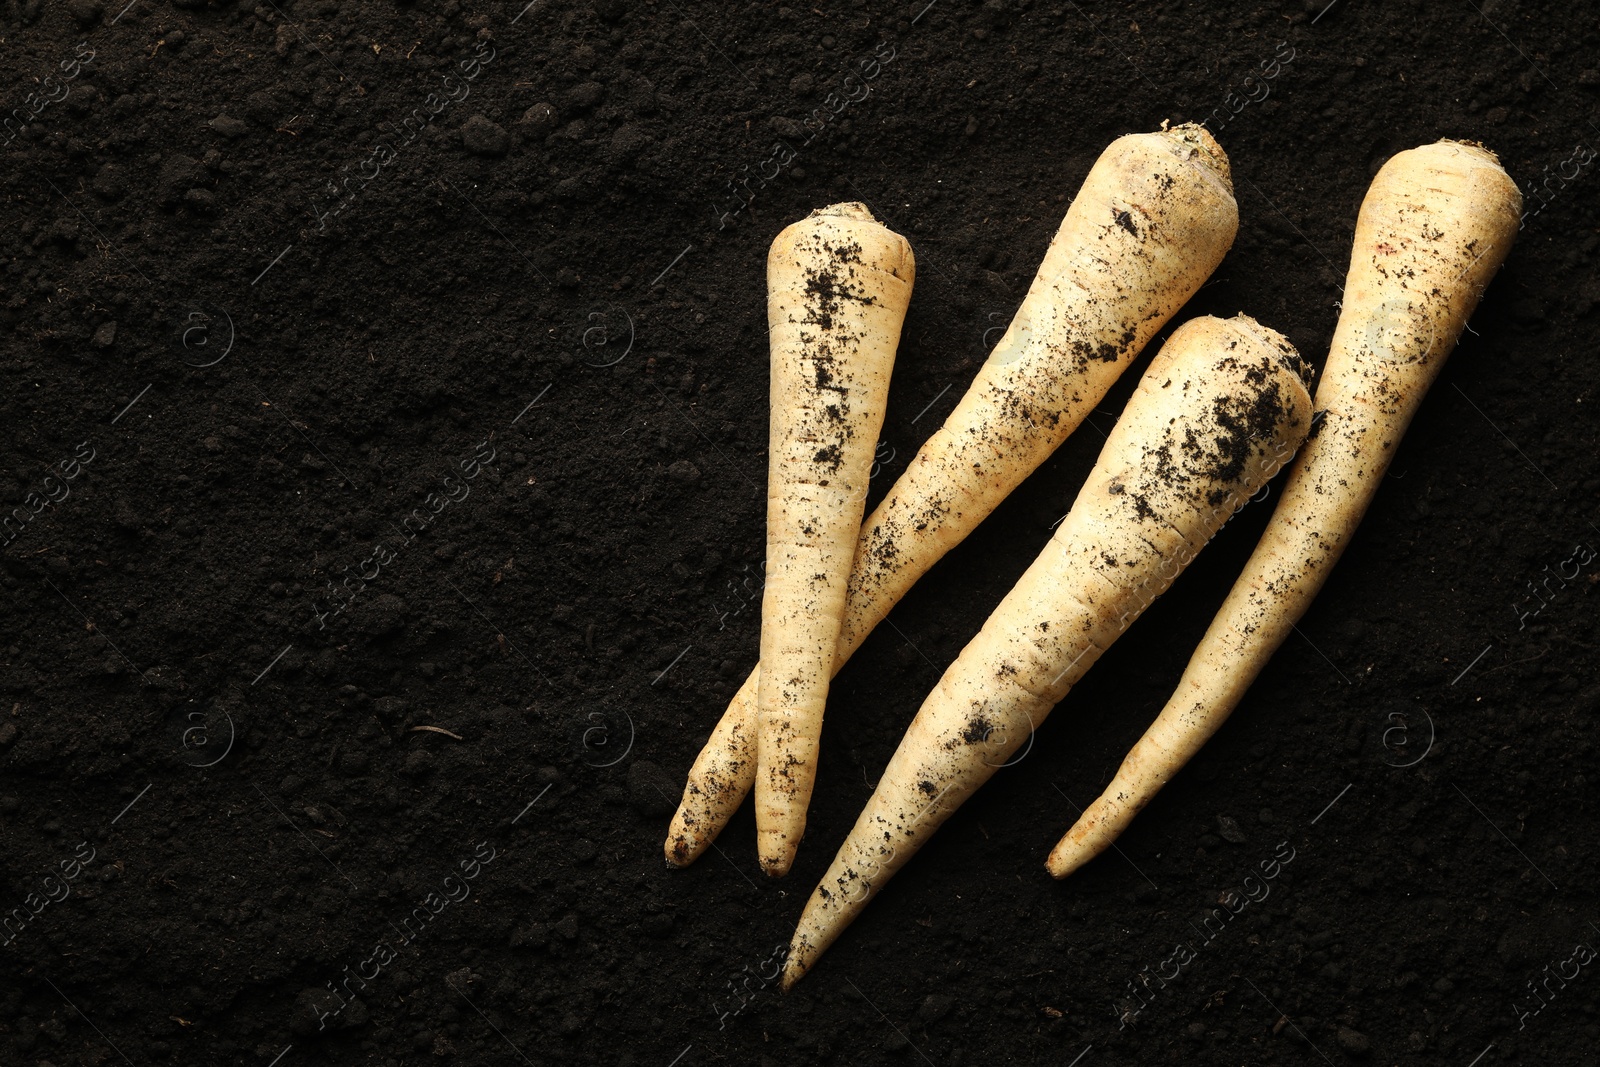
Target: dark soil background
x=241 y=384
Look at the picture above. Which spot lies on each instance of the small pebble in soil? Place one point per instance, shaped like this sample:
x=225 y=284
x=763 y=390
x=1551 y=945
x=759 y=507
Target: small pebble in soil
x=786 y=127
x=934 y=1007
x=229 y=126
x=85 y=12
x=1353 y=1041
x=482 y=137
x=584 y=96
x=539 y=120
x=628 y=141
x=1228 y=827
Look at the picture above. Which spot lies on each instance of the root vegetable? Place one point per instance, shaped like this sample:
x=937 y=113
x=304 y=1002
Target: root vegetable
x=838 y=284
x=1432 y=231
x=1222 y=406
x=1155 y=216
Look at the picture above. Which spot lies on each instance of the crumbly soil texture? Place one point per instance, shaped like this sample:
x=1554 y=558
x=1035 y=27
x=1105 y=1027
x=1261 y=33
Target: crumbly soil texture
x=384 y=441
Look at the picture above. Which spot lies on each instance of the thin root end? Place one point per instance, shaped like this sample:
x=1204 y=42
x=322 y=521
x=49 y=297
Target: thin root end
x=1071 y=852
x=793 y=971
x=682 y=846
x=775 y=849
x=1059 y=869
x=776 y=867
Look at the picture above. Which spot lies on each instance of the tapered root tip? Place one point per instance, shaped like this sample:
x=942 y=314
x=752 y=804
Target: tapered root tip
x=776 y=848
x=777 y=866
x=683 y=845
x=1067 y=856
x=796 y=965
x=679 y=852
x=1097 y=827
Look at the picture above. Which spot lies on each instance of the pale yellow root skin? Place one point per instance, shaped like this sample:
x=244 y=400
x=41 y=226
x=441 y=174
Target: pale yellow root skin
x=1155 y=216
x=838 y=285
x=1222 y=406
x=1433 y=230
